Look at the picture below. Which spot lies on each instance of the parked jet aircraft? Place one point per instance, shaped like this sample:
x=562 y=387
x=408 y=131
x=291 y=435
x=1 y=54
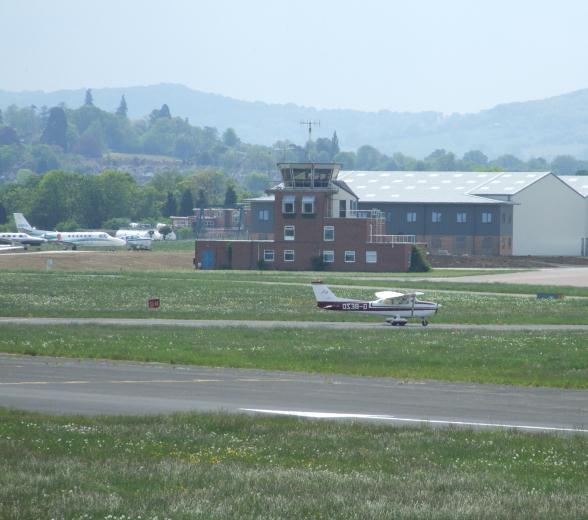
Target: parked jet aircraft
x=135 y=239
x=22 y=239
x=69 y=238
x=396 y=307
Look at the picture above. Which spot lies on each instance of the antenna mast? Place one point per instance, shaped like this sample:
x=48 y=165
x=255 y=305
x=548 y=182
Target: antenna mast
x=310 y=124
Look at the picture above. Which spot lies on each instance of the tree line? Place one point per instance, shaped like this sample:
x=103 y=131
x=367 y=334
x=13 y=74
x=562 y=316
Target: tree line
x=111 y=199
x=86 y=138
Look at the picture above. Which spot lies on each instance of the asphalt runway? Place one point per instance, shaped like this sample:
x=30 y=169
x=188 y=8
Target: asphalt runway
x=91 y=387
x=260 y=324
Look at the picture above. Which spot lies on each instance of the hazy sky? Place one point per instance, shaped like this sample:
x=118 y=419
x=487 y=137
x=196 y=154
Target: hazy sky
x=406 y=55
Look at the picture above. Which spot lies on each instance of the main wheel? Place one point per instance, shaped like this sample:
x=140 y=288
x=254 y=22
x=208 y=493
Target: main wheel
x=424 y=323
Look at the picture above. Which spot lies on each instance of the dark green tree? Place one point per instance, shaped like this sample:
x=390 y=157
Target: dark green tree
x=55 y=132
x=475 y=157
x=230 y=138
x=230 y=196
x=122 y=109
x=162 y=113
x=335 y=145
x=418 y=261
x=2 y=214
x=8 y=136
x=186 y=203
x=201 y=200
x=89 y=100
x=170 y=208
x=1 y=118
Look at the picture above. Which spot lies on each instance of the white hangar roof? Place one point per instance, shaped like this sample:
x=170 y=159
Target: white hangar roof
x=577 y=182
x=437 y=187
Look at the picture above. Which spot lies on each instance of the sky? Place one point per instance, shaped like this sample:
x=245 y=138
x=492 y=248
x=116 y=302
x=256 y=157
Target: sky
x=401 y=55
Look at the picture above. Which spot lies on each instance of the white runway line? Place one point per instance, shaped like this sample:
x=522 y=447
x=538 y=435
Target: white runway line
x=333 y=415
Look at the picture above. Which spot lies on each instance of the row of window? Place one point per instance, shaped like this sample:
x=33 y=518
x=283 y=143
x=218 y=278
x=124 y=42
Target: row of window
x=371 y=257
x=436 y=216
x=328 y=233
x=289 y=205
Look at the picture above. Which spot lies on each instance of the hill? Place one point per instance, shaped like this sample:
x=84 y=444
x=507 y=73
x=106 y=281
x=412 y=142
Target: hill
x=547 y=128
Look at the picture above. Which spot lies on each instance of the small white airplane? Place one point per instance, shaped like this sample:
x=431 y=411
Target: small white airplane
x=69 y=238
x=135 y=239
x=22 y=239
x=396 y=307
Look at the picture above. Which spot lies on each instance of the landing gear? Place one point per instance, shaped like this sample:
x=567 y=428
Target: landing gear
x=424 y=323
x=397 y=322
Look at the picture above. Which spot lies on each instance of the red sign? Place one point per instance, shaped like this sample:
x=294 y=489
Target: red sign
x=153 y=303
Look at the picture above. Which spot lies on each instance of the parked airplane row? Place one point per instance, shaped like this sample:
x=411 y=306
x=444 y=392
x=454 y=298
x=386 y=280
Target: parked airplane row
x=28 y=235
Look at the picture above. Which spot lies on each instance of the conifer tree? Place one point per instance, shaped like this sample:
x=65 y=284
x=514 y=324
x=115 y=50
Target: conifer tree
x=89 y=98
x=122 y=109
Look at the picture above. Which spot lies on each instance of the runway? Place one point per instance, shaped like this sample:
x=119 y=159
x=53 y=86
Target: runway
x=261 y=324
x=90 y=387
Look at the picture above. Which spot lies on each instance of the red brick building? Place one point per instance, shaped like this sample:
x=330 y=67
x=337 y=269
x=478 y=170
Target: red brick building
x=316 y=222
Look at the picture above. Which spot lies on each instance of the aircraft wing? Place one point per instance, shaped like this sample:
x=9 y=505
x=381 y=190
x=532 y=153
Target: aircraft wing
x=388 y=294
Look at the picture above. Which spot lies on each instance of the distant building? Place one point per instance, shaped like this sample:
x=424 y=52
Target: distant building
x=312 y=219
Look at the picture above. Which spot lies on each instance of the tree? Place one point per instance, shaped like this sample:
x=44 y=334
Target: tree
x=475 y=157
x=201 y=200
x=565 y=165
x=186 y=203
x=230 y=138
x=334 y=145
x=122 y=109
x=230 y=196
x=1 y=118
x=418 y=261
x=55 y=132
x=89 y=100
x=170 y=208
x=2 y=214
x=162 y=113
x=8 y=135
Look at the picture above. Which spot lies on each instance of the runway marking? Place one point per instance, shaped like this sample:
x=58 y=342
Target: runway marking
x=333 y=415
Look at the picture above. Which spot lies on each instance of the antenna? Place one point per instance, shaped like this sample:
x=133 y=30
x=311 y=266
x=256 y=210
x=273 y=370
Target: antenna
x=310 y=124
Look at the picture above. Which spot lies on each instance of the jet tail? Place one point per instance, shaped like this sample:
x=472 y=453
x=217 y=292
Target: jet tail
x=322 y=293
x=22 y=224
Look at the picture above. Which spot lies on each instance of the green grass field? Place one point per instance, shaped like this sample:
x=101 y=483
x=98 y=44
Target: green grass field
x=213 y=466
x=522 y=358
x=200 y=295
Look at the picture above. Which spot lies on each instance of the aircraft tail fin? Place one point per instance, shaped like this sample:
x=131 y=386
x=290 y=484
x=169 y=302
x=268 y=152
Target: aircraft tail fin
x=22 y=224
x=322 y=293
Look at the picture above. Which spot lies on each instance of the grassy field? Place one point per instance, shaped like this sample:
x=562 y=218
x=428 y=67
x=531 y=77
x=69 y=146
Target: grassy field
x=242 y=296
x=230 y=466
x=554 y=359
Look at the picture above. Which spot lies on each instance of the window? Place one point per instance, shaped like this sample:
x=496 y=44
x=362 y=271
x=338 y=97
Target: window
x=436 y=217
x=269 y=255
x=328 y=233
x=349 y=257
x=289 y=233
x=342 y=208
x=353 y=205
x=288 y=255
x=264 y=214
x=486 y=218
x=411 y=217
x=371 y=257
x=462 y=217
x=308 y=205
x=328 y=257
x=288 y=205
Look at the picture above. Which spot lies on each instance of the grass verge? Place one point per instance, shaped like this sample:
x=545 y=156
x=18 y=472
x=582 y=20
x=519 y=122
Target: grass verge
x=553 y=359
x=234 y=466
x=197 y=295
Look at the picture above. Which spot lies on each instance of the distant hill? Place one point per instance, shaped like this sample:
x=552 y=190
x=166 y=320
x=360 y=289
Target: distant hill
x=548 y=127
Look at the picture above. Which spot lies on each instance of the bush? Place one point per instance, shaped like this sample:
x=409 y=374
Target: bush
x=184 y=233
x=418 y=261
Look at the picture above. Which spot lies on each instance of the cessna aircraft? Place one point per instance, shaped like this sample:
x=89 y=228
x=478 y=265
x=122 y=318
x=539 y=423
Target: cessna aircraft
x=22 y=239
x=73 y=238
x=396 y=307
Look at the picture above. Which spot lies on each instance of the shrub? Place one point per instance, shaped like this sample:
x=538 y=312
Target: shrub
x=418 y=261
